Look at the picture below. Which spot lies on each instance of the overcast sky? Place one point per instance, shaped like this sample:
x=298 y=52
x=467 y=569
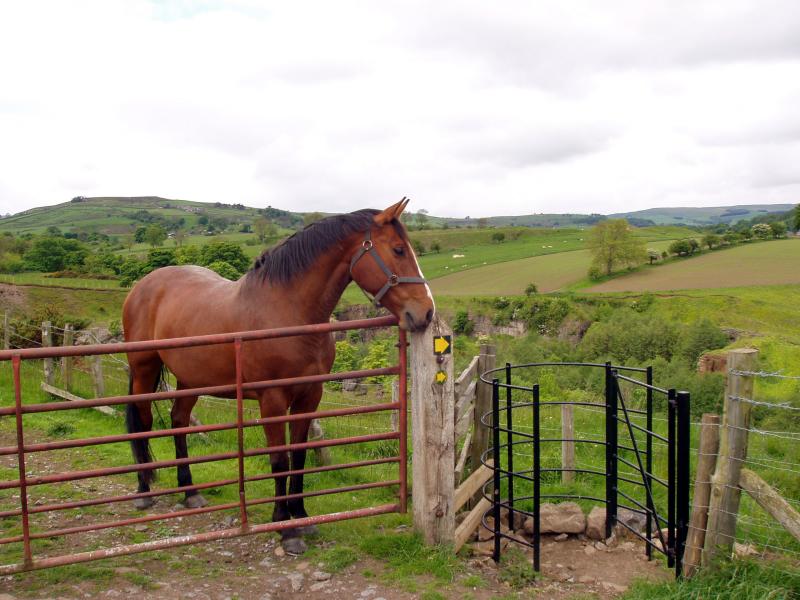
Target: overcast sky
x=469 y=108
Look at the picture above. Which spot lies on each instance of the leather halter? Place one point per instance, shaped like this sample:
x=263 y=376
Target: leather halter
x=392 y=279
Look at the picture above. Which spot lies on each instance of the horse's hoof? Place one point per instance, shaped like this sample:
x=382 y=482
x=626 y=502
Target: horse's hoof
x=143 y=503
x=308 y=530
x=195 y=501
x=294 y=546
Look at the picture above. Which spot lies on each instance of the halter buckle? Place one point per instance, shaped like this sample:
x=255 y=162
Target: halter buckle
x=367 y=245
x=393 y=280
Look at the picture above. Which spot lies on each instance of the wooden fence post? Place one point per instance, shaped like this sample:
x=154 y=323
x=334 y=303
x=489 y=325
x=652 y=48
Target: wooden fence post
x=66 y=361
x=323 y=455
x=432 y=410
x=6 y=331
x=567 y=445
x=483 y=404
x=706 y=460
x=97 y=376
x=47 y=363
x=725 y=492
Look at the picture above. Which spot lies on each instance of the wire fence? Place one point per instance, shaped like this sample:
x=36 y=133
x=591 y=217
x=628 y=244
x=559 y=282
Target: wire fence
x=773 y=455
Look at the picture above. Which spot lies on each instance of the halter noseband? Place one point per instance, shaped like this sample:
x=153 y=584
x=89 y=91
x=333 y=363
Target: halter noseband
x=392 y=279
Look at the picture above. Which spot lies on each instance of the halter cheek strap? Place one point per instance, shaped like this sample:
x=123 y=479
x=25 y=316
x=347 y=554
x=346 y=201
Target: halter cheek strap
x=392 y=279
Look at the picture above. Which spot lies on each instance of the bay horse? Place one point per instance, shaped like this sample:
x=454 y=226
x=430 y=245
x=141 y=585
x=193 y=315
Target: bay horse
x=297 y=282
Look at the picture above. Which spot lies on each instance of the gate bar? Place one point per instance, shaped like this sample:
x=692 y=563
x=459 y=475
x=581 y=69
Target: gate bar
x=611 y=451
x=402 y=418
x=496 y=470
x=671 y=400
x=193 y=539
x=684 y=442
x=537 y=469
x=23 y=484
x=649 y=462
x=237 y=346
x=510 y=449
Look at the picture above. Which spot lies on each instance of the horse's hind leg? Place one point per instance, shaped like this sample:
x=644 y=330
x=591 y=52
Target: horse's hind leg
x=181 y=414
x=275 y=403
x=145 y=370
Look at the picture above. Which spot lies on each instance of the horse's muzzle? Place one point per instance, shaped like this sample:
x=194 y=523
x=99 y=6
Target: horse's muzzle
x=418 y=323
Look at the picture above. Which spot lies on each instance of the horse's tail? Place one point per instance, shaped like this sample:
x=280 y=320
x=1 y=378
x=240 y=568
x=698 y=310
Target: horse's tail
x=134 y=424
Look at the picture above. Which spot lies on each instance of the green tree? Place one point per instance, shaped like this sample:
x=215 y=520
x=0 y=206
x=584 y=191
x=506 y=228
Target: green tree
x=680 y=248
x=422 y=219
x=377 y=357
x=264 y=229
x=711 y=240
x=778 y=229
x=498 y=237
x=188 y=255
x=797 y=218
x=139 y=235
x=652 y=255
x=220 y=267
x=226 y=252
x=436 y=247
x=701 y=336
x=155 y=235
x=761 y=231
x=179 y=237
x=49 y=254
x=160 y=257
x=694 y=245
x=613 y=244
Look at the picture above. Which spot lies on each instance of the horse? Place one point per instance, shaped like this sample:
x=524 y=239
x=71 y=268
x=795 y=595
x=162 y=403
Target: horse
x=298 y=281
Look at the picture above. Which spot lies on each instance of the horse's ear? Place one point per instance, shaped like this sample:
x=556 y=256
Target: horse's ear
x=391 y=213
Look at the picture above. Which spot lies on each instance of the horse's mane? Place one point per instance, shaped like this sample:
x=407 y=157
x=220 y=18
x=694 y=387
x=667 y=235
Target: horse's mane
x=297 y=253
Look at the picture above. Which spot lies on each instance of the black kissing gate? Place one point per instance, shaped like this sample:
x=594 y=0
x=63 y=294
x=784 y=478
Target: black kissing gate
x=668 y=493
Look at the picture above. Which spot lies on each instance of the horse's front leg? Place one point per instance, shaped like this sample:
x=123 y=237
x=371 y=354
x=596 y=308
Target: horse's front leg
x=181 y=415
x=299 y=435
x=275 y=403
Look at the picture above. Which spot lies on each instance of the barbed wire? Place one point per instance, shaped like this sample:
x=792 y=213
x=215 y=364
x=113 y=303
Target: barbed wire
x=773 y=374
x=784 y=405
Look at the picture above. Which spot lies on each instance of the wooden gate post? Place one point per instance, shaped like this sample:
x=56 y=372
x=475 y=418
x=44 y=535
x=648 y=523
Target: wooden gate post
x=47 y=363
x=483 y=404
x=432 y=410
x=706 y=460
x=725 y=492
x=66 y=361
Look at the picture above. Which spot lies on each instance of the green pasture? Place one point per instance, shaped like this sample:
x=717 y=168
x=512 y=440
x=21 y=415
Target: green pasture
x=748 y=264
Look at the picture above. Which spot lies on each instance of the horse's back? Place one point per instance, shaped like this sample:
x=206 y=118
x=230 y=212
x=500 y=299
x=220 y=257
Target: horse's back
x=175 y=302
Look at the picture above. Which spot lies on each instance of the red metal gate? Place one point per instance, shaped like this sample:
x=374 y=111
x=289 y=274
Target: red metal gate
x=21 y=449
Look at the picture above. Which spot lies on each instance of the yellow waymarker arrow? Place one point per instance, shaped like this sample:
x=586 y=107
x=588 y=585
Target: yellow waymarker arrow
x=441 y=377
x=440 y=345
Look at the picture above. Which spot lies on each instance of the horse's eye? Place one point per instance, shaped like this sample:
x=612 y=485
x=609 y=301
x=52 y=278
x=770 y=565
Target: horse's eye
x=399 y=250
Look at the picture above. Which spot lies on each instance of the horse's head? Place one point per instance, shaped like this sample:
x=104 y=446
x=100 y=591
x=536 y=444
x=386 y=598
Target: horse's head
x=384 y=265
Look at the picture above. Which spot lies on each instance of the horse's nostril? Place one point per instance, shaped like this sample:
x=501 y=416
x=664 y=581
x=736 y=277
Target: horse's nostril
x=429 y=316
x=410 y=319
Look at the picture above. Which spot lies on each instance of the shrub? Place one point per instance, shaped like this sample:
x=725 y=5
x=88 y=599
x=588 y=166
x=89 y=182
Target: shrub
x=700 y=337
x=462 y=324
x=531 y=289
x=498 y=237
x=761 y=231
x=226 y=270
x=680 y=248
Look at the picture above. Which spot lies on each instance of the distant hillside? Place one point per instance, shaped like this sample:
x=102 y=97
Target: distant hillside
x=703 y=216
x=120 y=215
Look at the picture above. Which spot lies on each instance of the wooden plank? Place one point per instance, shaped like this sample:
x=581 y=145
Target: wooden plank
x=469 y=524
x=432 y=409
x=771 y=501
x=472 y=484
x=706 y=461
x=483 y=404
x=462 y=459
x=465 y=401
x=466 y=377
x=51 y=389
x=725 y=491
x=462 y=425
x=567 y=446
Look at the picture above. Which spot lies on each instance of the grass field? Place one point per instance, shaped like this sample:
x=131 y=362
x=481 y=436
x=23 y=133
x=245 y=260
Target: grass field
x=550 y=273
x=770 y=263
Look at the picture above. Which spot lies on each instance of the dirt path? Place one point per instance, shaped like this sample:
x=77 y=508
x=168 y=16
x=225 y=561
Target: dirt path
x=255 y=567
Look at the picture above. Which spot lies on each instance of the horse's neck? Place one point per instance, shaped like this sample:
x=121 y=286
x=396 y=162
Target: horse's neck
x=312 y=295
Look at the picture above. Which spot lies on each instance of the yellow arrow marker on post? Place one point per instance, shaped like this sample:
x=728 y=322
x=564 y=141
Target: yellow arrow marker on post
x=441 y=344
x=440 y=377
